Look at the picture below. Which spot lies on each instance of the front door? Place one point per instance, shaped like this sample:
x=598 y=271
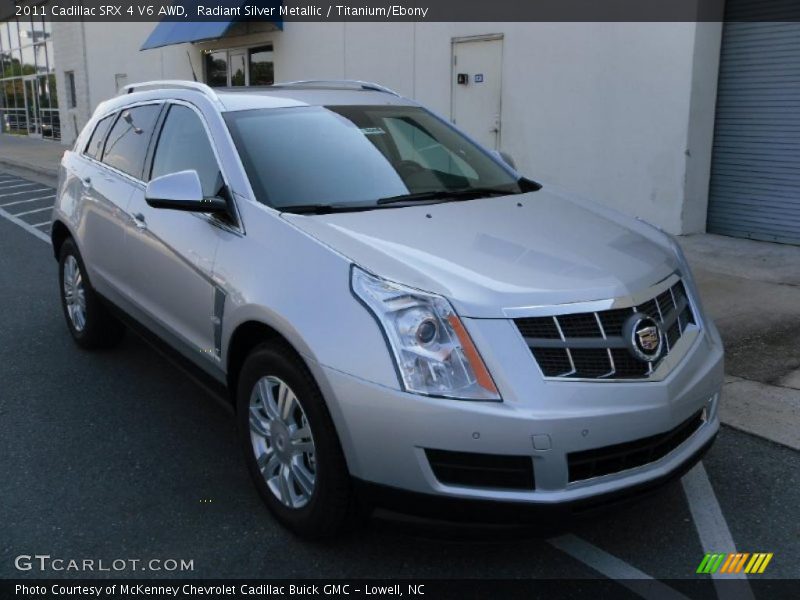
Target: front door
x=175 y=250
x=476 y=87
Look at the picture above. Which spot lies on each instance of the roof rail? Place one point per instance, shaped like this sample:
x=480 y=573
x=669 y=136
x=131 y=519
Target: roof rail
x=173 y=84
x=344 y=84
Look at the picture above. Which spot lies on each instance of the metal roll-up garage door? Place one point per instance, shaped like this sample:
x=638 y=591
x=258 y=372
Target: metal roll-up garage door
x=755 y=170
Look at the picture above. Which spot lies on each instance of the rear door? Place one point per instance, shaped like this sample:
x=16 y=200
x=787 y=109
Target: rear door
x=103 y=200
x=113 y=171
x=174 y=251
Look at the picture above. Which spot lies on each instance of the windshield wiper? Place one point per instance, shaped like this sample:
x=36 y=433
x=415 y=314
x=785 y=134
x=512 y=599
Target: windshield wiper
x=438 y=195
x=323 y=209
x=450 y=195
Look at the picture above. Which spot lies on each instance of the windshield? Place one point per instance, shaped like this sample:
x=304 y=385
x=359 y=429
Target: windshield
x=360 y=157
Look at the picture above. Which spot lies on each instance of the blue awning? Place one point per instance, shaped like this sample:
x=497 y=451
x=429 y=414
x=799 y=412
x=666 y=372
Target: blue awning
x=168 y=33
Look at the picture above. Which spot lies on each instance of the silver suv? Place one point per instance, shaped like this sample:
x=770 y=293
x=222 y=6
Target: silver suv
x=396 y=312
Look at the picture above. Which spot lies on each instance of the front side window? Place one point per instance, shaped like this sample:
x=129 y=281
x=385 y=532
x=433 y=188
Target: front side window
x=360 y=156
x=95 y=146
x=126 y=146
x=183 y=144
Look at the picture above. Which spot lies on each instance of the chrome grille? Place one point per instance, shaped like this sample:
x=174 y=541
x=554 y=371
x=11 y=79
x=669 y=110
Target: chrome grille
x=590 y=345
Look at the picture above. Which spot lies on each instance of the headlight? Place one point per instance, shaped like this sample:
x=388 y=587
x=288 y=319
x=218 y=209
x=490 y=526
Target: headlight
x=433 y=352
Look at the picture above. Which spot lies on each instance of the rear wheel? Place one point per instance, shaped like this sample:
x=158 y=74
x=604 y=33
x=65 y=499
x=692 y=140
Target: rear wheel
x=290 y=443
x=89 y=322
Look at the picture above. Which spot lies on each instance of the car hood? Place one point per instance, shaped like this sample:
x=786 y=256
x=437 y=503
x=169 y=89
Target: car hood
x=493 y=254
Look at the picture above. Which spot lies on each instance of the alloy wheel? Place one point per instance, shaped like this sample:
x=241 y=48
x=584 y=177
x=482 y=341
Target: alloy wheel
x=282 y=442
x=74 y=293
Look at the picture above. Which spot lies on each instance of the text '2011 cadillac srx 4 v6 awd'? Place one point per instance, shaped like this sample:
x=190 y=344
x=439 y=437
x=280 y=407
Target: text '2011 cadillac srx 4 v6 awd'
x=395 y=311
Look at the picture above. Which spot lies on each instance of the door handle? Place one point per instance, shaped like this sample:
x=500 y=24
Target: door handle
x=139 y=221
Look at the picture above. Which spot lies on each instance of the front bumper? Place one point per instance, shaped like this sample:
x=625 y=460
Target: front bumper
x=487 y=511
x=385 y=432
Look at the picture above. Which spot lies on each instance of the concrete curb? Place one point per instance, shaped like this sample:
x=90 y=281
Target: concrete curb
x=767 y=411
x=45 y=175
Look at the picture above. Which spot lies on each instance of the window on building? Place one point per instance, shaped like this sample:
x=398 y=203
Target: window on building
x=238 y=63
x=126 y=145
x=95 y=146
x=240 y=67
x=183 y=144
x=72 y=97
x=217 y=68
x=262 y=70
x=27 y=83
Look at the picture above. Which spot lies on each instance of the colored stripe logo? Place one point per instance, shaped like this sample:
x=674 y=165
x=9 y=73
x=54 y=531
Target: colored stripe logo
x=735 y=562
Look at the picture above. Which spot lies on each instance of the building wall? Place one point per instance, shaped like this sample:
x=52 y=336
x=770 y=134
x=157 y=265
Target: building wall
x=69 y=55
x=619 y=112
x=98 y=52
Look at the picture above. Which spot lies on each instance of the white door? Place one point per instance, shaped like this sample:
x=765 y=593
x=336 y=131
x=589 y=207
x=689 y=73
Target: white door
x=476 y=85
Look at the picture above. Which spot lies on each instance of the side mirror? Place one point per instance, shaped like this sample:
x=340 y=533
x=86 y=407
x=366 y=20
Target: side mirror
x=181 y=191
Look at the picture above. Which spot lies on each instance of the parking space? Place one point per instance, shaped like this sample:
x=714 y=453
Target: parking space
x=26 y=201
x=120 y=454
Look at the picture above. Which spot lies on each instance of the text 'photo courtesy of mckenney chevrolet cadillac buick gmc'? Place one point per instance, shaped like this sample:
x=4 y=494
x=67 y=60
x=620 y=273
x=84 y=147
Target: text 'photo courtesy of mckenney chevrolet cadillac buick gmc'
x=400 y=318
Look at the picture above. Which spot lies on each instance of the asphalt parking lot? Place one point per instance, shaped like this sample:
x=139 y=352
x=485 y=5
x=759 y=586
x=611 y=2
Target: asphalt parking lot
x=120 y=454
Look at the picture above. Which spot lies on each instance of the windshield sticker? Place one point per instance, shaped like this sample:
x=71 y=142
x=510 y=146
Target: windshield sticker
x=372 y=131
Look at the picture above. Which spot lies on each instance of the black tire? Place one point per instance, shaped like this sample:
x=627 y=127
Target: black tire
x=99 y=329
x=330 y=508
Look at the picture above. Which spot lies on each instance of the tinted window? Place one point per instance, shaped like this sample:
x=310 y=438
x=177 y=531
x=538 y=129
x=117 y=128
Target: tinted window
x=217 y=69
x=415 y=144
x=262 y=70
x=183 y=144
x=127 y=143
x=95 y=145
x=357 y=155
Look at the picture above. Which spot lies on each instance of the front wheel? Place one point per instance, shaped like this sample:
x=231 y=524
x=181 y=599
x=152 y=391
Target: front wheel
x=290 y=443
x=88 y=320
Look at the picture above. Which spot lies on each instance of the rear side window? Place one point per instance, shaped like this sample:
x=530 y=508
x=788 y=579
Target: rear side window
x=183 y=144
x=126 y=146
x=95 y=146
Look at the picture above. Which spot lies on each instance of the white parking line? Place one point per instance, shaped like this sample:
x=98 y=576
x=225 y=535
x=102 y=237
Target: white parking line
x=11 y=187
x=42 y=224
x=26 y=226
x=29 y=200
x=614 y=568
x=712 y=529
x=35 y=210
x=23 y=192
